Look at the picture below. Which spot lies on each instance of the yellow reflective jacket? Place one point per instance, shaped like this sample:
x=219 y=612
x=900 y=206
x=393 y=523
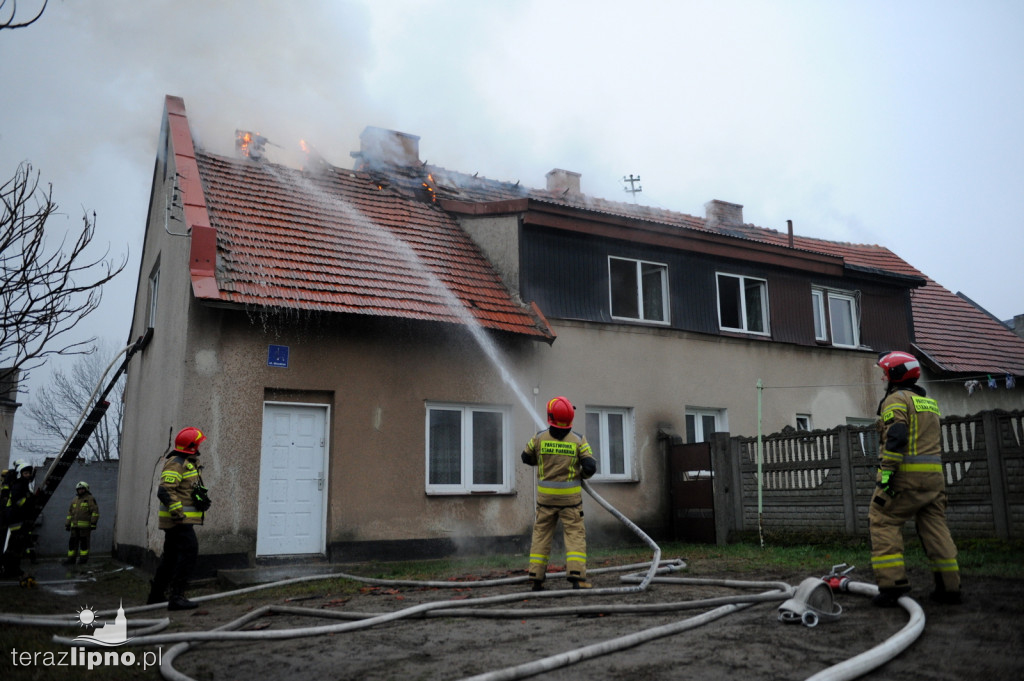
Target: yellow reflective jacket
x=920 y=416
x=177 y=480
x=83 y=513
x=559 y=472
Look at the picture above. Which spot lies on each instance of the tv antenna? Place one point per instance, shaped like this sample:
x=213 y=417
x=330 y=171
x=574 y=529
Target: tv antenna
x=632 y=188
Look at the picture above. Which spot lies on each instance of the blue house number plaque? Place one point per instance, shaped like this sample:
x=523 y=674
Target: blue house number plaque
x=277 y=356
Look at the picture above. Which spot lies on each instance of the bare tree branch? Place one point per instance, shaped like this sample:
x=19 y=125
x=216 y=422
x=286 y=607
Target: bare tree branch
x=56 y=408
x=8 y=20
x=44 y=293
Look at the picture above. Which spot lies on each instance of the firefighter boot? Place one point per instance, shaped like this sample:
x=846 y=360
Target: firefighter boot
x=888 y=596
x=578 y=581
x=177 y=601
x=942 y=595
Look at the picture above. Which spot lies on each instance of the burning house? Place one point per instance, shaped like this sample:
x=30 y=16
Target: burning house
x=368 y=349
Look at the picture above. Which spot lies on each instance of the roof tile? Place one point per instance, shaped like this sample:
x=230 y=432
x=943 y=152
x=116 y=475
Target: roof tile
x=336 y=242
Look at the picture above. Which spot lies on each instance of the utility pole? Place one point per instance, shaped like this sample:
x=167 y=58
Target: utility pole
x=632 y=188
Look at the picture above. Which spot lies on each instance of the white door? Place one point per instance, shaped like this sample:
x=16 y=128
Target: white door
x=293 y=471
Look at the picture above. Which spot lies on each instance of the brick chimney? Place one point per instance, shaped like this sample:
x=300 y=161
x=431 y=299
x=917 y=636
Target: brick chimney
x=723 y=213
x=563 y=182
x=379 y=148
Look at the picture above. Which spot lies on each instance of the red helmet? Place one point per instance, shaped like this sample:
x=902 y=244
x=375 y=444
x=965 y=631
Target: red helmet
x=188 y=440
x=560 y=412
x=900 y=367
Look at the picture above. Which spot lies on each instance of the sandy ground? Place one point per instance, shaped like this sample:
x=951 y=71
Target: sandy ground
x=981 y=639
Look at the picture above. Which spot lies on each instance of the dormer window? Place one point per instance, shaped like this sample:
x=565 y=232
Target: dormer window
x=638 y=290
x=742 y=304
x=836 y=317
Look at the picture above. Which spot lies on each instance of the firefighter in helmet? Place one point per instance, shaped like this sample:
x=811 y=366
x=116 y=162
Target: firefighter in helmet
x=7 y=479
x=910 y=485
x=83 y=516
x=19 y=538
x=563 y=459
x=183 y=504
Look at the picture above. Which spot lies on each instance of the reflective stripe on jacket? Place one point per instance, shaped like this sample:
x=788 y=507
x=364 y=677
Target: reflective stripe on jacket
x=558 y=467
x=923 y=452
x=178 y=477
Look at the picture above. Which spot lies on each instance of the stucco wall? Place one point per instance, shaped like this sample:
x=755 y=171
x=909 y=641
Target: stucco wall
x=376 y=377
x=660 y=373
x=498 y=238
x=155 y=385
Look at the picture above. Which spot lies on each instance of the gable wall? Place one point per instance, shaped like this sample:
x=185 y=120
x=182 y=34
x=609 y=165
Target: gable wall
x=156 y=388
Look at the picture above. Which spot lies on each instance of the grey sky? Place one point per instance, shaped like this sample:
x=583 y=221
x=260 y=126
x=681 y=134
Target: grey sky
x=896 y=123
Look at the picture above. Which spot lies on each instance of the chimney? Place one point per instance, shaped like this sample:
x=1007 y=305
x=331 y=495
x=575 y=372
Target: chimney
x=563 y=182
x=1018 y=325
x=723 y=213
x=379 y=148
x=250 y=145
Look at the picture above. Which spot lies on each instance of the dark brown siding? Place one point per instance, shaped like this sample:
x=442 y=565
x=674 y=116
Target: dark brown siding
x=566 y=274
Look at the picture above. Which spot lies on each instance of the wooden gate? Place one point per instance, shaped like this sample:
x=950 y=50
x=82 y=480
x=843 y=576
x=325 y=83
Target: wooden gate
x=691 y=492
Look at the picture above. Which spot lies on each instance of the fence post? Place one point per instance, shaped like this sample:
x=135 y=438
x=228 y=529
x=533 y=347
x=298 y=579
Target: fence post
x=724 y=488
x=996 y=475
x=849 y=480
x=737 y=485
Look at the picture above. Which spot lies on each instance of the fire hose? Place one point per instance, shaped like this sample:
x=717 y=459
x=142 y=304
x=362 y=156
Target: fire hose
x=656 y=572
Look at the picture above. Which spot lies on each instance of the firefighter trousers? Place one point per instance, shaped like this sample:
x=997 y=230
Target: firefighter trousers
x=574 y=535
x=887 y=517
x=181 y=549
x=78 y=543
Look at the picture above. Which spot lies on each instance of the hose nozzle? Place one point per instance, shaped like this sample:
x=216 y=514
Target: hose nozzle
x=838 y=579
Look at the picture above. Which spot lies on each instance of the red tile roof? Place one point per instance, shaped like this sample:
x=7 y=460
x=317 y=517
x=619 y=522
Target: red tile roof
x=951 y=334
x=334 y=241
x=368 y=243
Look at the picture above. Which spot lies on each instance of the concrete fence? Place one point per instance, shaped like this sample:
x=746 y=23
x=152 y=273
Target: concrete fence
x=822 y=481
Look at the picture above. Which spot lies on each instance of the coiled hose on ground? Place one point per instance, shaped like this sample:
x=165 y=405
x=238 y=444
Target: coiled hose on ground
x=655 y=571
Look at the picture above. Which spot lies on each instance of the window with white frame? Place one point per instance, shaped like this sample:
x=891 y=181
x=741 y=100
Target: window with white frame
x=742 y=303
x=701 y=423
x=468 y=449
x=836 y=317
x=803 y=422
x=638 y=290
x=154 y=291
x=610 y=434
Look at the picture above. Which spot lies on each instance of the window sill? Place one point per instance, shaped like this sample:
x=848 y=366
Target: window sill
x=640 y=322
x=747 y=335
x=471 y=493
